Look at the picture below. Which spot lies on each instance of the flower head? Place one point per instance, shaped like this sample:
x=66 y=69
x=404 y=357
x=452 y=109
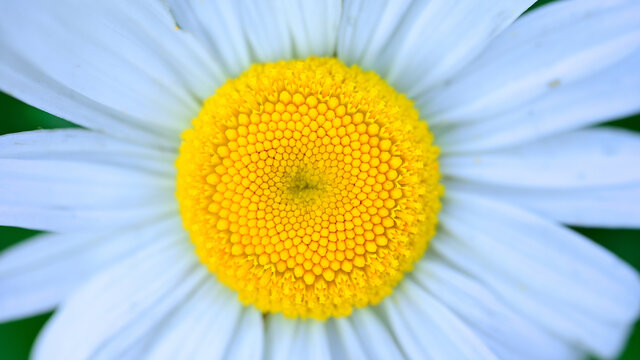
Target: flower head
x=309 y=187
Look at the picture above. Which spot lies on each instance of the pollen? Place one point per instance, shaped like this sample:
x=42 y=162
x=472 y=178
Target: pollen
x=309 y=187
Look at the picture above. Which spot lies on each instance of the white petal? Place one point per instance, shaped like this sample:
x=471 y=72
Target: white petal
x=361 y=335
x=417 y=45
x=582 y=178
x=610 y=94
x=585 y=158
x=313 y=26
x=36 y=275
x=426 y=329
x=280 y=333
x=86 y=147
x=543 y=51
x=508 y=335
x=343 y=340
x=59 y=221
x=603 y=206
x=202 y=326
x=242 y=33
x=122 y=304
x=295 y=339
x=249 y=336
x=132 y=339
x=116 y=66
x=211 y=324
x=218 y=26
x=550 y=275
x=76 y=179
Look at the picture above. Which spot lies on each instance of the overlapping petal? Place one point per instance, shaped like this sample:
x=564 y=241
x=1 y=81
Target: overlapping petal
x=416 y=45
x=211 y=324
x=542 y=52
x=610 y=94
x=74 y=179
x=119 y=67
x=123 y=303
x=584 y=178
x=38 y=274
x=426 y=328
x=550 y=275
x=580 y=159
x=503 y=330
x=240 y=33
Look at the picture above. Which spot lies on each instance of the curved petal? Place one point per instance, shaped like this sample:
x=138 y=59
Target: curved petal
x=248 y=342
x=211 y=324
x=85 y=146
x=280 y=333
x=603 y=206
x=120 y=67
x=610 y=94
x=542 y=52
x=427 y=329
x=580 y=159
x=343 y=341
x=361 y=335
x=244 y=32
x=122 y=304
x=506 y=333
x=584 y=178
x=79 y=180
x=295 y=339
x=550 y=275
x=416 y=45
x=36 y=275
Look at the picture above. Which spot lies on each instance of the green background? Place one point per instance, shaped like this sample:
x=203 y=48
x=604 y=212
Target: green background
x=16 y=338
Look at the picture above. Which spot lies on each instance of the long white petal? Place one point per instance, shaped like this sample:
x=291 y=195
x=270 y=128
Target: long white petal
x=280 y=333
x=552 y=47
x=610 y=94
x=362 y=335
x=295 y=339
x=343 y=340
x=79 y=180
x=549 y=275
x=426 y=329
x=416 y=45
x=203 y=325
x=603 y=206
x=542 y=76
x=85 y=146
x=122 y=304
x=211 y=324
x=585 y=178
x=248 y=342
x=580 y=159
x=506 y=333
x=244 y=32
x=120 y=67
x=37 y=274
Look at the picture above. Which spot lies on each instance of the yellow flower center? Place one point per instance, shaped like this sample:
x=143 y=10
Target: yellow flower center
x=309 y=187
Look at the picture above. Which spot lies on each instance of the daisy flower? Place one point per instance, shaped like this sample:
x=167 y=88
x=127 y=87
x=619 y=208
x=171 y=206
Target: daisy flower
x=297 y=179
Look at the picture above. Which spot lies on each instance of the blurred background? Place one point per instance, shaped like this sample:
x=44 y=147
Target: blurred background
x=17 y=337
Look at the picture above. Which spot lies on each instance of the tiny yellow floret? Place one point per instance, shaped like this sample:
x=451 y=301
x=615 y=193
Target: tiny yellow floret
x=309 y=187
